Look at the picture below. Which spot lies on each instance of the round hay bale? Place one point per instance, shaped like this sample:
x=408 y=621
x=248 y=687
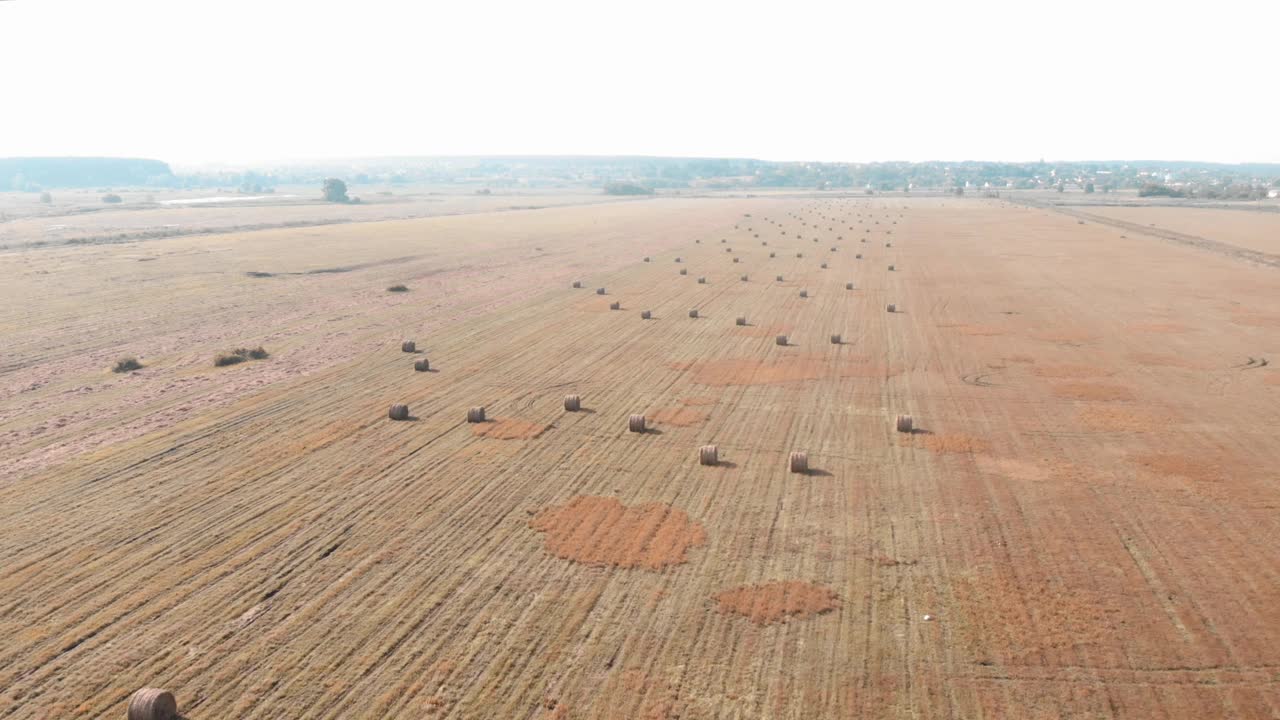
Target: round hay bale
x=779 y=278
x=741 y=321
x=799 y=255
x=693 y=314
x=577 y=283
x=804 y=293
x=646 y=258
x=781 y=340
x=858 y=256
x=708 y=455
x=743 y=278
x=398 y=412
x=723 y=240
x=798 y=462
x=848 y=286
x=475 y=415
x=736 y=259
x=152 y=704
x=773 y=254
x=684 y=271
x=888 y=244
x=904 y=423
x=635 y=423
x=615 y=306
x=728 y=250
x=421 y=365
x=599 y=291
x=702 y=280
x=572 y=403
x=893 y=308
x=835 y=339
x=833 y=249
x=646 y=314
x=824 y=266
x=408 y=346
x=763 y=243
x=679 y=260
x=890 y=268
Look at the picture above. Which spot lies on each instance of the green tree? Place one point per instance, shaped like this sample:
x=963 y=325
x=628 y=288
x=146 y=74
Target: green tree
x=335 y=190
x=1088 y=187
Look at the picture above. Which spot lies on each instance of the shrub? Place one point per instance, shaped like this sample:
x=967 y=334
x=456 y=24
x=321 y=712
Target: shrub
x=224 y=359
x=625 y=188
x=240 y=355
x=398 y=288
x=1159 y=190
x=259 y=353
x=112 y=198
x=126 y=364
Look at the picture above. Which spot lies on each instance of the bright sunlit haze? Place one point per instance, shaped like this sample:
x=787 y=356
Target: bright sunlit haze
x=243 y=81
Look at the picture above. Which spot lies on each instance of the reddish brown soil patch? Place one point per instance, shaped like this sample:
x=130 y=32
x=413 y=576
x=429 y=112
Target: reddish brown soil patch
x=947 y=444
x=1257 y=320
x=1070 y=371
x=1158 y=360
x=508 y=429
x=698 y=400
x=1013 y=468
x=603 y=531
x=760 y=372
x=1272 y=379
x=680 y=416
x=777 y=601
x=1114 y=419
x=1092 y=391
x=1186 y=466
x=1164 y=328
x=1064 y=335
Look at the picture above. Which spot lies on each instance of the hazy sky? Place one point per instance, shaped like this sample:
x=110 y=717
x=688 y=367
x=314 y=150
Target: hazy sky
x=258 y=80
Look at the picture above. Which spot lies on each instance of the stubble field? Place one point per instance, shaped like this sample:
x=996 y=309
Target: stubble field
x=1081 y=527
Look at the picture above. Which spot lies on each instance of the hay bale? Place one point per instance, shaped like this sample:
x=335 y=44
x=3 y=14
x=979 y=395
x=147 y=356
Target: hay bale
x=835 y=339
x=577 y=283
x=736 y=259
x=781 y=340
x=679 y=260
x=646 y=315
x=772 y=254
x=635 y=423
x=763 y=243
x=708 y=455
x=572 y=403
x=693 y=314
x=475 y=415
x=398 y=412
x=599 y=291
x=848 y=286
x=421 y=365
x=888 y=244
x=615 y=306
x=798 y=462
x=824 y=266
x=893 y=308
x=741 y=321
x=804 y=293
x=904 y=423
x=890 y=268
x=728 y=250
x=723 y=240
x=702 y=280
x=646 y=258
x=779 y=278
x=743 y=278
x=833 y=249
x=858 y=256
x=153 y=704
x=799 y=255
x=408 y=346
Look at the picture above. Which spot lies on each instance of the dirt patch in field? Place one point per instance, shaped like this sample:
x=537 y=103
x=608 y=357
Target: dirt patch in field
x=978 y=330
x=1159 y=328
x=1020 y=359
x=679 y=416
x=948 y=443
x=1257 y=320
x=761 y=331
x=1070 y=371
x=1157 y=360
x=1272 y=379
x=1013 y=468
x=602 y=531
x=1114 y=419
x=761 y=372
x=1185 y=466
x=1068 y=336
x=508 y=429
x=698 y=401
x=1092 y=391
x=777 y=601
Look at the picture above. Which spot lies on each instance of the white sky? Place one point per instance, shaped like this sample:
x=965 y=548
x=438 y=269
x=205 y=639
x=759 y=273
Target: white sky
x=260 y=80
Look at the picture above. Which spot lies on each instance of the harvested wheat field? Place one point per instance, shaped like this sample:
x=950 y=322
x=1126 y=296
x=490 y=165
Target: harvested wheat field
x=1080 y=522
